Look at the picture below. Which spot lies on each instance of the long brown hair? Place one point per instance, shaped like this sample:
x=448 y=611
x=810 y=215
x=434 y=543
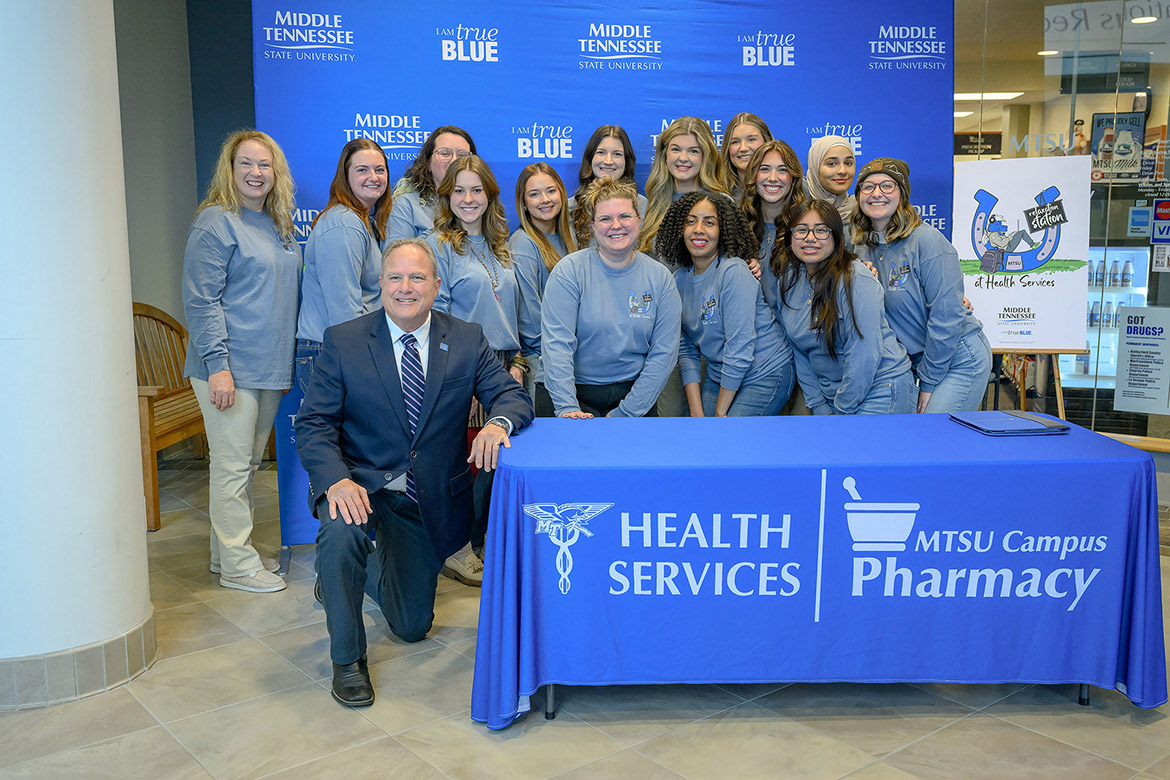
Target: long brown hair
x=581 y=220
x=222 y=191
x=750 y=201
x=547 y=253
x=824 y=277
x=340 y=193
x=742 y=118
x=450 y=228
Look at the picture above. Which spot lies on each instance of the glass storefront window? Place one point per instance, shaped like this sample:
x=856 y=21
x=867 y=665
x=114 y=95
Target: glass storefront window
x=1080 y=78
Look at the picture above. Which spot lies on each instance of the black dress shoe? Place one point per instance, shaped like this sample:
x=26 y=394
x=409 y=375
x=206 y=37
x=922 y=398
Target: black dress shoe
x=351 y=684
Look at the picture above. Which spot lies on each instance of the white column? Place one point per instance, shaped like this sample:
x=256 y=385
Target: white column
x=73 y=543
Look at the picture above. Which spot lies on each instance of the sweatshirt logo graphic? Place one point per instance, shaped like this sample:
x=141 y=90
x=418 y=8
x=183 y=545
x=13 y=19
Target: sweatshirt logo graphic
x=564 y=524
x=708 y=308
x=640 y=304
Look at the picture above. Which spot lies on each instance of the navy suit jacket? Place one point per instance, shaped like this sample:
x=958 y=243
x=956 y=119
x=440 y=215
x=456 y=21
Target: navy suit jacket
x=353 y=422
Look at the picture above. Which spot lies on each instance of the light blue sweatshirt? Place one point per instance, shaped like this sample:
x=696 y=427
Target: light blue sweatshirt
x=923 y=285
x=601 y=325
x=240 y=283
x=342 y=265
x=767 y=278
x=410 y=216
x=867 y=353
x=467 y=292
x=726 y=321
x=531 y=274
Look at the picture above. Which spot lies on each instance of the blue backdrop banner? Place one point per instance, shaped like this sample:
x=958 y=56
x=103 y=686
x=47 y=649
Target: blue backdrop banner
x=531 y=81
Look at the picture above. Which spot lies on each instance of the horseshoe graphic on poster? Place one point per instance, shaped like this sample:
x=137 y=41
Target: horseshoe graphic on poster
x=996 y=247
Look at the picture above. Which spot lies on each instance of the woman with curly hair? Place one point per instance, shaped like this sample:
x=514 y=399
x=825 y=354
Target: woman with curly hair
x=686 y=159
x=542 y=239
x=608 y=153
x=847 y=358
x=610 y=319
x=745 y=133
x=343 y=258
x=241 y=275
x=415 y=193
x=725 y=320
x=919 y=270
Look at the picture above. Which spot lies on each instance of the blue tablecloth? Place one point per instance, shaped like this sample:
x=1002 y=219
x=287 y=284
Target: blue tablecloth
x=732 y=550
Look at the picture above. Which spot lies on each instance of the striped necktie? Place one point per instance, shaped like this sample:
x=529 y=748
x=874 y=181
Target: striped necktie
x=413 y=385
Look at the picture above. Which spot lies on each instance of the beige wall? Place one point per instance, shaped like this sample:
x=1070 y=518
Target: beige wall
x=158 y=144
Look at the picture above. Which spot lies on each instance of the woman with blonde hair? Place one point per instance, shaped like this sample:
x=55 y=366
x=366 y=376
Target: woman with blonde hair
x=607 y=153
x=610 y=319
x=478 y=285
x=543 y=238
x=343 y=257
x=829 y=173
x=919 y=271
x=847 y=358
x=745 y=133
x=686 y=159
x=413 y=213
x=241 y=274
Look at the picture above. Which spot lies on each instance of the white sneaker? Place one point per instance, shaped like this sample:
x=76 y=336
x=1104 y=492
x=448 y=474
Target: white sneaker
x=269 y=564
x=260 y=582
x=464 y=566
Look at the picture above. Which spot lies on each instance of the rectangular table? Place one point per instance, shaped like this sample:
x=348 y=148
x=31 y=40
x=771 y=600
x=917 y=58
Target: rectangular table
x=733 y=550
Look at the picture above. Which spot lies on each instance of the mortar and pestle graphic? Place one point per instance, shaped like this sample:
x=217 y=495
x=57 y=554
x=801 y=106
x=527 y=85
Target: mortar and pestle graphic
x=877 y=526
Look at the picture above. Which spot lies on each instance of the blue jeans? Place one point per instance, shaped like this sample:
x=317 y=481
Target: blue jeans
x=897 y=395
x=965 y=384
x=306 y=363
x=762 y=398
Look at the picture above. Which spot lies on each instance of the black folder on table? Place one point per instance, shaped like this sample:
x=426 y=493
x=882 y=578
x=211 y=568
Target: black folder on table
x=1010 y=423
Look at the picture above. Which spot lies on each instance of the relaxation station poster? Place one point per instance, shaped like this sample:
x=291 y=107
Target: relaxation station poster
x=1022 y=234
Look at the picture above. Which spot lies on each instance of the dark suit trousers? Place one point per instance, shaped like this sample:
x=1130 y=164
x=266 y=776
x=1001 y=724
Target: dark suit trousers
x=409 y=573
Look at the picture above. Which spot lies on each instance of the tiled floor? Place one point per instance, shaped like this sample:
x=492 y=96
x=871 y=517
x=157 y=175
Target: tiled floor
x=241 y=691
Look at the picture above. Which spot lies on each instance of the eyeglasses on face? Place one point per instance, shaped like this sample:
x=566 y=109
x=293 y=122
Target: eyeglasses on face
x=449 y=154
x=886 y=187
x=622 y=219
x=820 y=232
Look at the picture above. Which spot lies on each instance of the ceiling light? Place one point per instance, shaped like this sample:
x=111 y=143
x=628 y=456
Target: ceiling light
x=961 y=114
x=986 y=95
x=1144 y=19
x=1048 y=52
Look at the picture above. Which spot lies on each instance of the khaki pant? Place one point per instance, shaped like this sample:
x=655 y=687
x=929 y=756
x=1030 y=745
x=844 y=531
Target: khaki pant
x=236 y=438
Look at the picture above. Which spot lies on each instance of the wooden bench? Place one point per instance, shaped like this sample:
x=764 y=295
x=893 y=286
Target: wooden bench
x=167 y=410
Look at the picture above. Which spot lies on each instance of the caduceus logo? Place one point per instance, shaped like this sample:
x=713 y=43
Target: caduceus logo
x=564 y=524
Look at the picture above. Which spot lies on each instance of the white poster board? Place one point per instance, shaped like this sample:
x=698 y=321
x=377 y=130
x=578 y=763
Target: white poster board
x=1143 y=373
x=1021 y=228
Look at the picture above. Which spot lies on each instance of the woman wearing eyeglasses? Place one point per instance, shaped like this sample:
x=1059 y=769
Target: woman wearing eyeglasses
x=725 y=320
x=745 y=133
x=830 y=305
x=919 y=271
x=829 y=174
x=414 y=195
x=608 y=153
x=610 y=318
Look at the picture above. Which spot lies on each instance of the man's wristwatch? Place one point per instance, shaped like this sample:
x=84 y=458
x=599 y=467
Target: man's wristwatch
x=503 y=422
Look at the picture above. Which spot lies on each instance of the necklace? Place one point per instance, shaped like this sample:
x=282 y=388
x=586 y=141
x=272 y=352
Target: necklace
x=492 y=271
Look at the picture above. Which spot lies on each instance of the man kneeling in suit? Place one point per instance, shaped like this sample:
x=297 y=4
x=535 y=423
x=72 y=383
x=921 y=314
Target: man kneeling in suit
x=383 y=435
